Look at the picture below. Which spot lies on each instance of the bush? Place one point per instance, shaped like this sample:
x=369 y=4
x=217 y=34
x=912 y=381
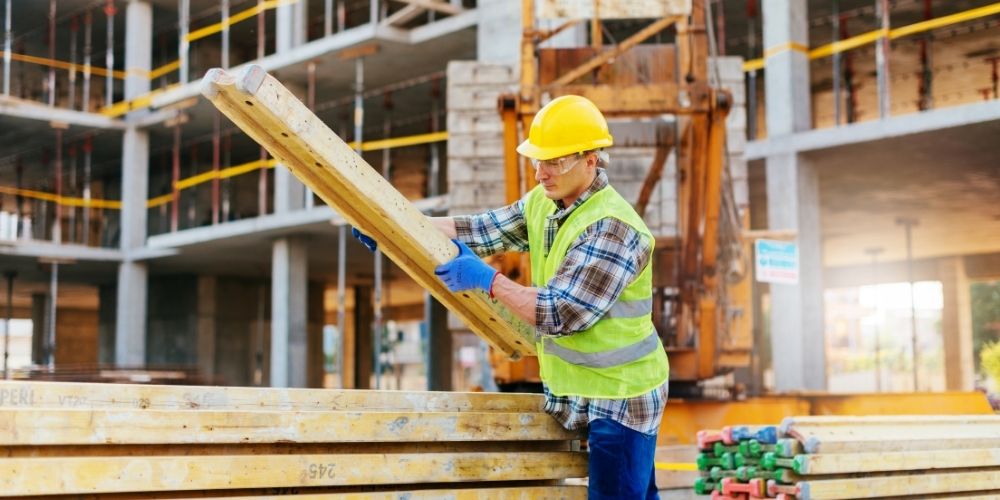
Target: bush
x=989 y=359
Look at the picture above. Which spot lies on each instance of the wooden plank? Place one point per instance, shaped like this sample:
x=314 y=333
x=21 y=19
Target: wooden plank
x=515 y=493
x=873 y=444
x=914 y=484
x=276 y=119
x=16 y=394
x=76 y=427
x=615 y=9
x=35 y=476
x=69 y=427
x=894 y=420
x=149 y=450
x=840 y=463
x=442 y=7
x=403 y=16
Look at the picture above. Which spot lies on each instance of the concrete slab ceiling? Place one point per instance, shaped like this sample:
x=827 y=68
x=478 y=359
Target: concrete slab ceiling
x=948 y=179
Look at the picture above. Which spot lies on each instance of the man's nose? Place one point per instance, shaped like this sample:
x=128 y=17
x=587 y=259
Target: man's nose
x=541 y=175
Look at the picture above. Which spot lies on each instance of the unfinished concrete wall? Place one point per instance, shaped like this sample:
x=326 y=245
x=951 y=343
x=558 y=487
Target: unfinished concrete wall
x=172 y=321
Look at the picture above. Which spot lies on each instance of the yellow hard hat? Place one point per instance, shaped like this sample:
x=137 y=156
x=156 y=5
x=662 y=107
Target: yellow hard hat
x=569 y=124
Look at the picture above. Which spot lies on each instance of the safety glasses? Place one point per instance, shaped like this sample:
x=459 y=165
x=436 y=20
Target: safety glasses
x=558 y=166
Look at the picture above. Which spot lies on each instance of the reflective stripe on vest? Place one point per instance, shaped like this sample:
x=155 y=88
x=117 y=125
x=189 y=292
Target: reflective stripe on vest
x=630 y=308
x=604 y=359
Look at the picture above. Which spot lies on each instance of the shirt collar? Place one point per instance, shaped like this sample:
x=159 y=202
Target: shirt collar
x=600 y=182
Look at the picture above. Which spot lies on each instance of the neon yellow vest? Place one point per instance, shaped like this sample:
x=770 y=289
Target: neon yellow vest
x=621 y=355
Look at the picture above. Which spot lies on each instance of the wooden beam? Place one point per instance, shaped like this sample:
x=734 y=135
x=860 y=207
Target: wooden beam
x=33 y=427
x=442 y=7
x=653 y=176
x=899 y=485
x=16 y=394
x=77 y=476
x=513 y=493
x=841 y=463
x=611 y=53
x=404 y=15
x=276 y=119
x=633 y=100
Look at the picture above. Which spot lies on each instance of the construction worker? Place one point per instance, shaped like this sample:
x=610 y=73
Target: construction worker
x=602 y=364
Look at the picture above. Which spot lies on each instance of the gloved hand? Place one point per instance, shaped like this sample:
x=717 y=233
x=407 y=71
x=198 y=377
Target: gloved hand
x=466 y=271
x=365 y=240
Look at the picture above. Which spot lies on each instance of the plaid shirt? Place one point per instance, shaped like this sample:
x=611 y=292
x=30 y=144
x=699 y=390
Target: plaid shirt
x=604 y=259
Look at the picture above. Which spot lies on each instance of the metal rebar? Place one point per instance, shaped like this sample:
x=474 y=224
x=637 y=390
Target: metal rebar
x=926 y=60
x=175 y=177
x=10 y=275
x=216 y=158
x=227 y=161
x=73 y=190
x=262 y=184
x=109 y=56
x=260 y=30
x=882 y=59
x=88 y=35
x=7 y=41
x=183 y=45
x=50 y=349
x=225 y=34
x=74 y=29
x=836 y=64
x=52 y=53
x=908 y=223
x=435 y=166
x=57 y=206
x=87 y=150
x=752 y=77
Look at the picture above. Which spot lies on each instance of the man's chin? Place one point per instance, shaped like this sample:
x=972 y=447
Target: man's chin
x=551 y=194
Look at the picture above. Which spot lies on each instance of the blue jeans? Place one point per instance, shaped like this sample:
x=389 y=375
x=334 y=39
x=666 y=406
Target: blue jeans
x=621 y=462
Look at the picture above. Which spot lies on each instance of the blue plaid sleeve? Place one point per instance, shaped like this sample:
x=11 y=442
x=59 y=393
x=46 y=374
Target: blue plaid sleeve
x=500 y=230
x=598 y=266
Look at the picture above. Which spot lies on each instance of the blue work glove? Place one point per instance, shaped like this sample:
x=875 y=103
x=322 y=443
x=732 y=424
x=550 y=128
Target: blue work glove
x=365 y=240
x=466 y=271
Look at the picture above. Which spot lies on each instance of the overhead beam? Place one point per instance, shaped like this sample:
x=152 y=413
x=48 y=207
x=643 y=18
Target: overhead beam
x=442 y=7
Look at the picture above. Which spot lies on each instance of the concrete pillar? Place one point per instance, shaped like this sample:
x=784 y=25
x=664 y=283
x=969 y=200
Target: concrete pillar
x=289 y=280
x=130 y=312
x=956 y=325
x=786 y=38
x=797 y=340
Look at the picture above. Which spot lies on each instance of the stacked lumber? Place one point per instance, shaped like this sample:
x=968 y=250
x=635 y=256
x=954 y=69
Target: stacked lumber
x=150 y=441
x=827 y=458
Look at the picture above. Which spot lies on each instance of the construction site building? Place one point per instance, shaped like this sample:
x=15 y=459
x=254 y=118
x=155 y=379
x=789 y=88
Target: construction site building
x=139 y=229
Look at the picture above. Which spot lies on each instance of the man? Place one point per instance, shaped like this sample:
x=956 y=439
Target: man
x=601 y=361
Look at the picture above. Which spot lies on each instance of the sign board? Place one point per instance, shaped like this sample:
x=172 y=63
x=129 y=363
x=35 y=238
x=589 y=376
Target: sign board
x=777 y=261
x=612 y=9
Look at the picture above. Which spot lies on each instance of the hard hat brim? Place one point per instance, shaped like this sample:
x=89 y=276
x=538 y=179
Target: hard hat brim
x=530 y=150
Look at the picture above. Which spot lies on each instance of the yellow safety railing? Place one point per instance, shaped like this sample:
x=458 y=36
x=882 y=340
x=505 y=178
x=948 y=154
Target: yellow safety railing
x=204 y=177
x=873 y=36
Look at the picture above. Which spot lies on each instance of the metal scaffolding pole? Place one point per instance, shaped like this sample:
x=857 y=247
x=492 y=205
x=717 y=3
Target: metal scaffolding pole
x=260 y=29
x=71 y=236
x=109 y=56
x=175 y=177
x=836 y=64
x=57 y=207
x=882 y=59
x=225 y=34
x=50 y=348
x=10 y=275
x=88 y=148
x=216 y=154
x=341 y=15
x=926 y=61
x=7 y=41
x=227 y=161
x=752 y=76
x=874 y=253
x=74 y=29
x=373 y=12
x=88 y=33
x=51 y=84
x=435 y=167
x=908 y=223
x=183 y=20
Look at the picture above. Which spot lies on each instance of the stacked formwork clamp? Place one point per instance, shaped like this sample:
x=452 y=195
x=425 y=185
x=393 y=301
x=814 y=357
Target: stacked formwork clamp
x=827 y=458
x=146 y=441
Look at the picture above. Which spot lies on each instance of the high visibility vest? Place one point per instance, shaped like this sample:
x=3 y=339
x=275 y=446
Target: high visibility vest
x=620 y=356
